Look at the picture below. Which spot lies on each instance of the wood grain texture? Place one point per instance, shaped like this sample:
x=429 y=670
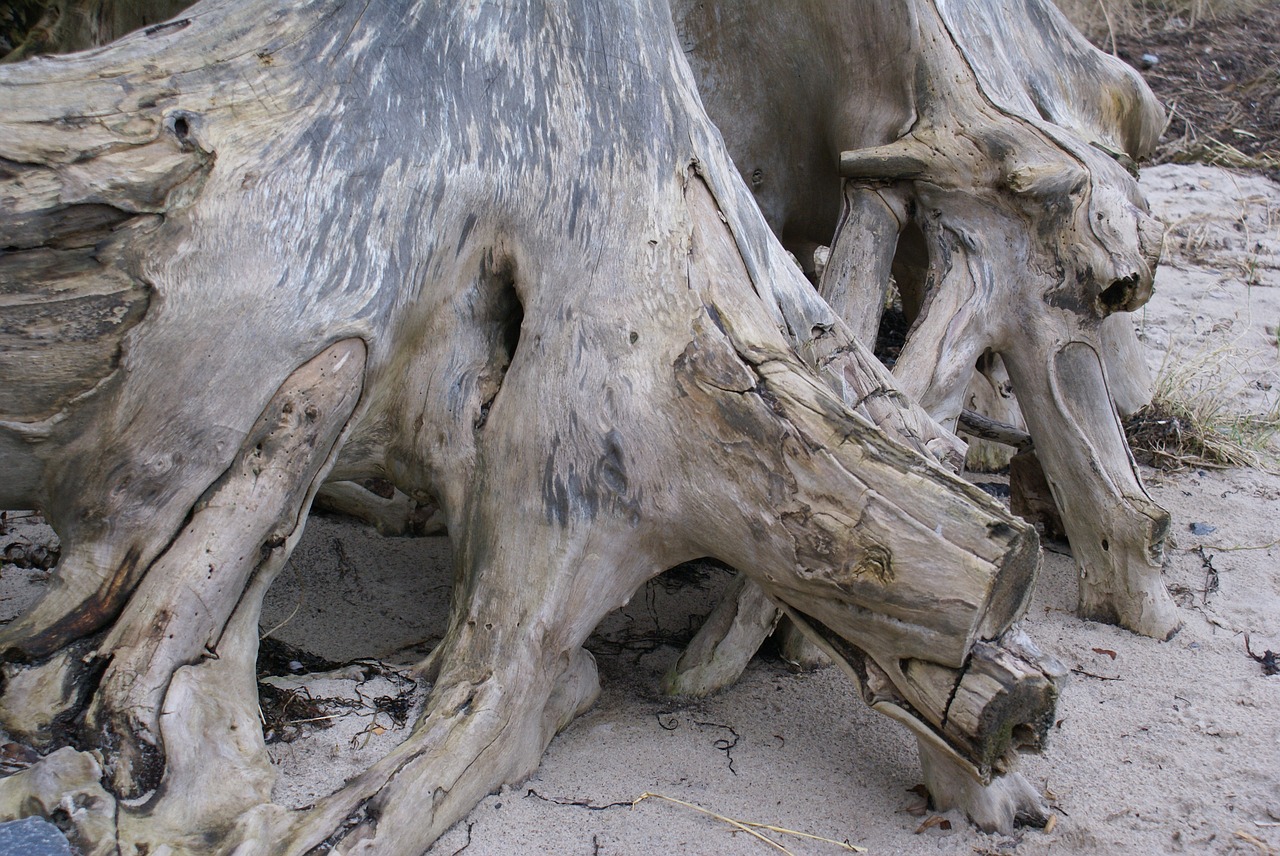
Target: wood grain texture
x=978 y=154
x=498 y=256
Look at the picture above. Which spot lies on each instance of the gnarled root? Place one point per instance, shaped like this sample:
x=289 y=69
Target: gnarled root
x=386 y=509
x=1007 y=801
x=247 y=523
x=731 y=635
x=1116 y=531
x=65 y=785
x=726 y=642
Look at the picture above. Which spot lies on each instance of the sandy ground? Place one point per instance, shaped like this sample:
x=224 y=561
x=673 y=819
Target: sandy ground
x=1160 y=747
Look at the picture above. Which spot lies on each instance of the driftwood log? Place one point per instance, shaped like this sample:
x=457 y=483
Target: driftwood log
x=978 y=153
x=497 y=256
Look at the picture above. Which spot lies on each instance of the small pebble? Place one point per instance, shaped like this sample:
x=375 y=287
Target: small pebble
x=1202 y=529
x=295 y=666
x=1149 y=60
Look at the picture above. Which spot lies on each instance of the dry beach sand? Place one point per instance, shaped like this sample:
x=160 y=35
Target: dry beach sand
x=1160 y=748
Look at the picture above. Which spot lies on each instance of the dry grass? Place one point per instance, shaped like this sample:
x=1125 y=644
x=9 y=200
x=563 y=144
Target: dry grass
x=1195 y=418
x=1193 y=148
x=1103 y=21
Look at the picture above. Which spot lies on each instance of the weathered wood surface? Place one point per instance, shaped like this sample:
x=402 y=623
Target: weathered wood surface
x=499 y=257
x=980 y=160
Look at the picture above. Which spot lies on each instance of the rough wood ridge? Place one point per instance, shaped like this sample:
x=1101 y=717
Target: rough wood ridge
x=498 y=256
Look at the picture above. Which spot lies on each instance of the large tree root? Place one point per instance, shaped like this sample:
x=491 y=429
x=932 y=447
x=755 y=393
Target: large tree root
x=247 y=524
x=996 y=196
x=652 y=383
x=1116 y=531
x=1001 y=804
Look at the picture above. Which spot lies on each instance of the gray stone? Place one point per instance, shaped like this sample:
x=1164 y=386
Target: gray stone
x=33 y=836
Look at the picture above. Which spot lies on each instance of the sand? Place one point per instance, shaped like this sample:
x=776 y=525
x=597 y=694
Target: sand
x=1159 y=748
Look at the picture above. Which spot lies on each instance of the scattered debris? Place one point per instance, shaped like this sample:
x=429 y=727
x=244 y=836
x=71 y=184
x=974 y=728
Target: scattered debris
x=280 y=658
x=723 y=744
x=285 y=714
x=1191 y=424
x=1268 y=659
x=936 y=820
x=289 y=711
x=1211 y=580
x=1202 y=529
x=672 y=723
x=1105 y=651
x=1086 y=673
x=1217 y=75
x=752 y=828
x=468 y=841
x=1255 y=841
x=587 y=804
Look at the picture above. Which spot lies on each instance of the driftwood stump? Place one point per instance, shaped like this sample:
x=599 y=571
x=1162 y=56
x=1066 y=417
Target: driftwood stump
x=977 y=153
x=498 y=257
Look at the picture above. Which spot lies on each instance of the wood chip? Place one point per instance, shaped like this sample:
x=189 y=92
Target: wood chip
x=938 y=821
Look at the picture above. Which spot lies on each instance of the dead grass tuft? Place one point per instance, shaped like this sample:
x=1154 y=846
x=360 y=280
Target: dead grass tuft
x=1194 y=148
x=1104 y=21
x=1195 y=418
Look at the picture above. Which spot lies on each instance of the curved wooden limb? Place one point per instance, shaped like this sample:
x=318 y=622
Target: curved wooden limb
x=1006 y=801
x=991 y=396
x=216 y=766
x=970 y=723
x=955 y=326
x=397 y=514
x=855 y=284
x=868 y=551
x=798 y=649
x=856 y=279
x=1128 y=377
x=717 y=655
x=859 y=274
x=1116 y=532
x=732 y=634
x=247 y=521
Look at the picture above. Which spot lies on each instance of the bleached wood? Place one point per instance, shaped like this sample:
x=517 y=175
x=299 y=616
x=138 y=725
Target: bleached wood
x=66 y=782
x=731 y=635
x=651 y=380
x=991 y=421
x=397 y=514
x=994 y=141
x=249 y=519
